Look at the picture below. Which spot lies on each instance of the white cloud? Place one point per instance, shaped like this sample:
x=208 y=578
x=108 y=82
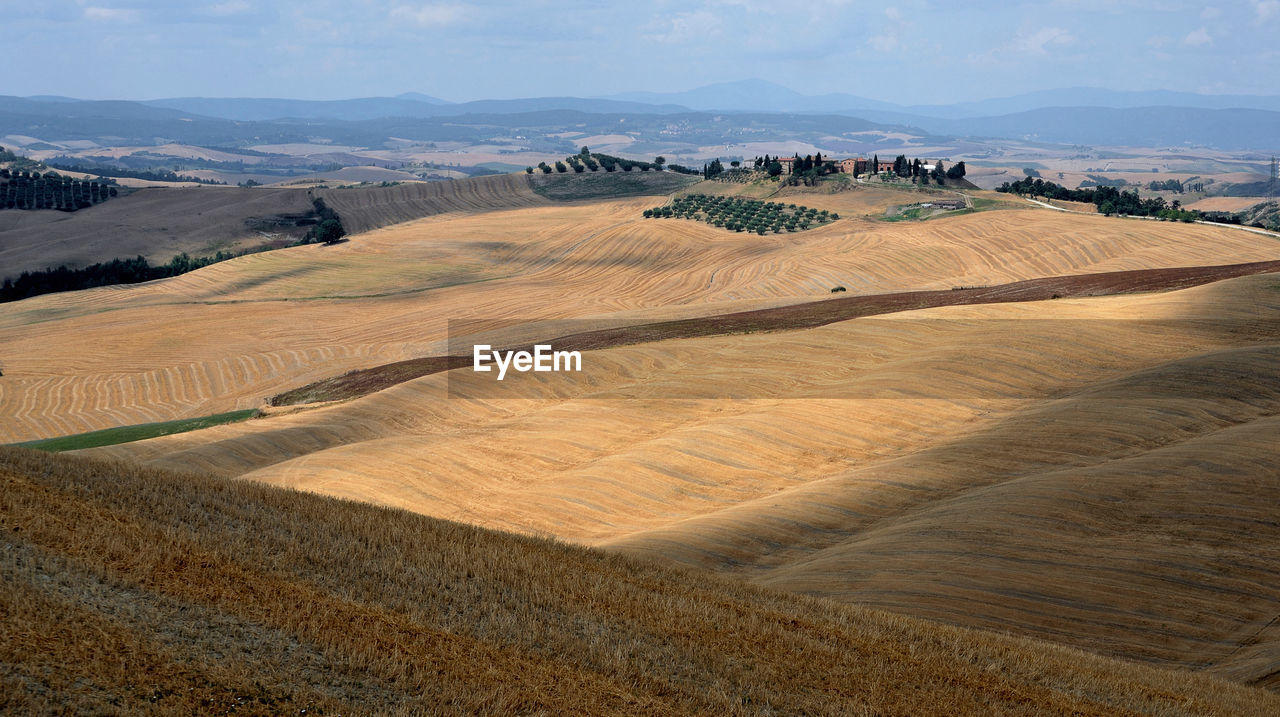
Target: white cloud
x=689 y=27
x=430 y=14
x=1266 y=9
x=1197 y=38
x=108 y=14
x=1039 y=42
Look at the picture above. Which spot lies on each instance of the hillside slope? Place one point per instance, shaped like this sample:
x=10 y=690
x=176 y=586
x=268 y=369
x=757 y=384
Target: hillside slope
x=160 y=222
x=977 y=464
x=202 y=596
x=230 y=335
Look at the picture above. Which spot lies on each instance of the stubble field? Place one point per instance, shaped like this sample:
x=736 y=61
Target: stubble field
x=1096 y=471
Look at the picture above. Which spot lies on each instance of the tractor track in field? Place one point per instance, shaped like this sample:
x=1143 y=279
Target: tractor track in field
x=795 y=316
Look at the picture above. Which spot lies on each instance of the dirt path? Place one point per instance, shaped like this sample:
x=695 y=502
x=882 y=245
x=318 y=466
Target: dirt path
x=1253 y=230
x=795 y=316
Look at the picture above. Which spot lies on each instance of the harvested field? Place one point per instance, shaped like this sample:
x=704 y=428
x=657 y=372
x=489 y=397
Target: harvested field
x=160 y=222
x=208 y=596
x=1097 y=470
x=607 y=185
x=365 y=208
x=796 y=316
x=939 y=462
x=156 y=223
x=1226 y=204
x=231 y=335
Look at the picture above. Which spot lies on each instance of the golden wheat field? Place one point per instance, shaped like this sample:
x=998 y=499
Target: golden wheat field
x=1097 y=472
x=860 y=458
x=132 y=590
x=230 y=335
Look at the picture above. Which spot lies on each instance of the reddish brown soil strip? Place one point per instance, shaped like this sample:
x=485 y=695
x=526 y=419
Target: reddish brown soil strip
x=796 y=316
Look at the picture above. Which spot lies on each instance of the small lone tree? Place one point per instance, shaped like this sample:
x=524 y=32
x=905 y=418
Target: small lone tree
x=330 y=231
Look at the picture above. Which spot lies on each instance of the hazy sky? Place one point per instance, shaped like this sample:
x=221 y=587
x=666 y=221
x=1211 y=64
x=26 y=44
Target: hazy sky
x=907 y=51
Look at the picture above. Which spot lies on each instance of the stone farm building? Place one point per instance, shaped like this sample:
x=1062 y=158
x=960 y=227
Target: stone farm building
x=853 y=165
x=862 y=165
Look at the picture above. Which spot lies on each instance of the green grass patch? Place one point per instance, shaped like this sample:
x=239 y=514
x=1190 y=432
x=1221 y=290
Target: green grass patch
x=142 y=431
x=909 y=214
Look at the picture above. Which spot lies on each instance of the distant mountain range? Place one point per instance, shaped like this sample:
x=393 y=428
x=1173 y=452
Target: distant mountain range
x=757 y=95
x=405 y=105
x=1088 y=116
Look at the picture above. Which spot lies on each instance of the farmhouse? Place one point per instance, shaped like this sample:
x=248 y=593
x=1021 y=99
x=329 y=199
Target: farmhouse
x=862 y=165
x=854 y=165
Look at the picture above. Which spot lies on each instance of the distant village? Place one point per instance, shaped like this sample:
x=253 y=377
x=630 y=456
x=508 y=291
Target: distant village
x=811 y=167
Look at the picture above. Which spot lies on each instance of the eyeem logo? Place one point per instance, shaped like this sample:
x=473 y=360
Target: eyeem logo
x=542 y=359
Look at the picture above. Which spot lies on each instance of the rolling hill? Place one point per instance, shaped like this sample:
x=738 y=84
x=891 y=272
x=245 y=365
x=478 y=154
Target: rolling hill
x=208 y=596
x=1095 y=471
x=160 y=222
x=233 y=334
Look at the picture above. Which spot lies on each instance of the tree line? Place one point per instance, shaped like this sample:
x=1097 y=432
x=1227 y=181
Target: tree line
x=921 y=173
x=327 y=229
x=1108 y=200
x=810 y=168
x=116 y=271
x=32 y=190
x=588 y=161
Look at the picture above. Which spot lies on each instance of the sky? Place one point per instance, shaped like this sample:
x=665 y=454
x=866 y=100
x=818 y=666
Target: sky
x=907 y=51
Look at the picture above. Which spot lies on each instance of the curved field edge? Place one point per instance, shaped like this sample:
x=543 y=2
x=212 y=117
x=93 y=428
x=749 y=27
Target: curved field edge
x=204 y=594
x=139 y=432
x=796 y=316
